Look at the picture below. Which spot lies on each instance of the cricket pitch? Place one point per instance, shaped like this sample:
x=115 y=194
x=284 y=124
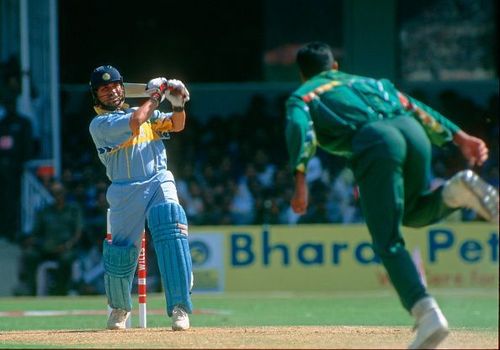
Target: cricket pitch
x=297 y=337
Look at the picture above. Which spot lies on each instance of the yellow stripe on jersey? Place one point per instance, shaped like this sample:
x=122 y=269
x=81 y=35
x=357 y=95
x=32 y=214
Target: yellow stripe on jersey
x=146 y=134
x=162 y=125
x=128 y=163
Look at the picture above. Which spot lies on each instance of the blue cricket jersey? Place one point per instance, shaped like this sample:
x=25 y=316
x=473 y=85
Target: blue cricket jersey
x=128 y=157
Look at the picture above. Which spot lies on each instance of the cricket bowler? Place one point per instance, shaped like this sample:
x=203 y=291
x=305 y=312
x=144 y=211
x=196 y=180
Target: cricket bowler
x=386 y=136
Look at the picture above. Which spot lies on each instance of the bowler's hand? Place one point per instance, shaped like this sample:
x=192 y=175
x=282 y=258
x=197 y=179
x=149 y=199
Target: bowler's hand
x=473 y=149
x=300 y=197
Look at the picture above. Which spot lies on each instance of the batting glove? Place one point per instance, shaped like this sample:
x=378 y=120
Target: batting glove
x=177 y=94
x=156 y=88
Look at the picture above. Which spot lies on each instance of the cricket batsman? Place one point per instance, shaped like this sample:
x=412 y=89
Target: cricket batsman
x=386 y=136
x=129 y=144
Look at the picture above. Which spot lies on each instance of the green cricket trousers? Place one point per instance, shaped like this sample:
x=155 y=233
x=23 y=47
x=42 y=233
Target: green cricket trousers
x=391 y=163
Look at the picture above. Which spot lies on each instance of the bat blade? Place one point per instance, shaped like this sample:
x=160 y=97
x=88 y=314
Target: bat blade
x=135 y=90
x=138 y=90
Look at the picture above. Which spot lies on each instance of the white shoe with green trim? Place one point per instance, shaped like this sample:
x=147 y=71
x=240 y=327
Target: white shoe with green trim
x=180 y=319
x=118 y=319
x=431 y=325
x=467 y=190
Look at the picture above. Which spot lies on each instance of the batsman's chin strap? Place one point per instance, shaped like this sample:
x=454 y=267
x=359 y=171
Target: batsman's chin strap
x=99 y=110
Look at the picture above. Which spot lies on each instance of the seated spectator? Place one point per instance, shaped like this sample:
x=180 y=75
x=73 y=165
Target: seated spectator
x=242 y=204
x=192 y=200
x=88 y=269
x=55 y=237
x=264 y=167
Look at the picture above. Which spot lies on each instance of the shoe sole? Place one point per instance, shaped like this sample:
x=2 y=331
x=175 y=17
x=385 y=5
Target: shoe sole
x=434 y=339
x=114 y=328
x=485 y=195
x=176 y=329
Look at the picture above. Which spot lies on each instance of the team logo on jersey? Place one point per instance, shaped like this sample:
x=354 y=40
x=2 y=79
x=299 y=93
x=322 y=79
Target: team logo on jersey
x=106 y=76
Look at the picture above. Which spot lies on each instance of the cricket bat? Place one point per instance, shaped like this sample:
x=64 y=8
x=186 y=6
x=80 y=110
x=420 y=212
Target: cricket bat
x=138 y=90
x=135 y=90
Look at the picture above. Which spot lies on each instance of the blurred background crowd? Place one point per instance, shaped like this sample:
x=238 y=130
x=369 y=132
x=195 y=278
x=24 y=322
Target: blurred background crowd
x=231 y=168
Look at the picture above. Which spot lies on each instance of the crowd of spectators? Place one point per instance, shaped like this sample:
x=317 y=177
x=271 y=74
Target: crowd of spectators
x=462 y=35
x=230 y=166
x=232 y=170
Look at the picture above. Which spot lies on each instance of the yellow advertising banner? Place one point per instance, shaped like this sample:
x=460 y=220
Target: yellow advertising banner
x=340 y=257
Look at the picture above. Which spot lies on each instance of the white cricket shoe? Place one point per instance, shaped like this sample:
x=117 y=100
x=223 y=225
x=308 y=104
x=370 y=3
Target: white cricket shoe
x=467 y=190
x=431 y=326
x=118 y=319
x=180 y=319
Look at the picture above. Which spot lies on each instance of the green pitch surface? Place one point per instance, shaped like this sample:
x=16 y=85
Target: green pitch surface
x=465 y=309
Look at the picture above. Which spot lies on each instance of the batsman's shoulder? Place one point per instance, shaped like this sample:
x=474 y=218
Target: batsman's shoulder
x=98 y=120
x=94 y=123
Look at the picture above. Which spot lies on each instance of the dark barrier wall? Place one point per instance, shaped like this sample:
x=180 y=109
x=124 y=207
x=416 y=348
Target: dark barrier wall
x=370 y=37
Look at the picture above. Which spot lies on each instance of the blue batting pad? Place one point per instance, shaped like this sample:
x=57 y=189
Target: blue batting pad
x=120 y=263
x=168 y=225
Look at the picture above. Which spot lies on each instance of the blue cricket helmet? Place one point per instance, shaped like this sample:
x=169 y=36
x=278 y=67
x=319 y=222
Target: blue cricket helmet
x=103 y=75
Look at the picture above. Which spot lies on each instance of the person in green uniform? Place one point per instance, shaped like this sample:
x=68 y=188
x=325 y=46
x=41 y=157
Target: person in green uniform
x=56 y=235
x=386 y=136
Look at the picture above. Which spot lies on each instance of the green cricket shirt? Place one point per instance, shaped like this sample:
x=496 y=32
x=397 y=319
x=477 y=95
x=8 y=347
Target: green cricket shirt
x=328 y=109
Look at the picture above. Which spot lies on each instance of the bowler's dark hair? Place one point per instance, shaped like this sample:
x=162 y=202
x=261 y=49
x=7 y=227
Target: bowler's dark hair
x=314 y=58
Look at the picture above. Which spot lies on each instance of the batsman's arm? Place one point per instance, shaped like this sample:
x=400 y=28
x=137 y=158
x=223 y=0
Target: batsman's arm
x=142 y=114
x=168 y=122
x=178 y=121
x=177 y=94
x=155 y=89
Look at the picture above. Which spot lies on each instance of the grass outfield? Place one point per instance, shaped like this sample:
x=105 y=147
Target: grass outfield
x=466 y=310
